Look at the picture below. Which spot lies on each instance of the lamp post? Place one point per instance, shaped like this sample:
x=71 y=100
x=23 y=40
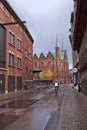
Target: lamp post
x=74 y=73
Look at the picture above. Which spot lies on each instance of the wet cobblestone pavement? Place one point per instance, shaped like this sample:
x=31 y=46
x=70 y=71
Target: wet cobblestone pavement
x=65 y=111
x=73 y=113
x=28 y=110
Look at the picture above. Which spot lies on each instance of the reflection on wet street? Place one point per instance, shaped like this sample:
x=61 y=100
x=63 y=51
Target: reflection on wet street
x=28 y=113
x=19 y=103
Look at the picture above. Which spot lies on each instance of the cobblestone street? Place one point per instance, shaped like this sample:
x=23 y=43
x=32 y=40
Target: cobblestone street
x=73 y=112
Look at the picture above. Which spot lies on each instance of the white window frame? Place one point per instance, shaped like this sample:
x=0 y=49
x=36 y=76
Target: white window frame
x=19 y=44
x=11 y=37
x=19 y=62
x=11 y=58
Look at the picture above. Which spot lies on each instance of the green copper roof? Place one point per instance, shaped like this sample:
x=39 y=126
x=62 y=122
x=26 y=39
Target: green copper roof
x=62 y=53
x=62 y=47
x=57 y=43
x=54 y=55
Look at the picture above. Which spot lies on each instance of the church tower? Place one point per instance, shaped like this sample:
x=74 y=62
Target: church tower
x=57 y=48
x=57 y=51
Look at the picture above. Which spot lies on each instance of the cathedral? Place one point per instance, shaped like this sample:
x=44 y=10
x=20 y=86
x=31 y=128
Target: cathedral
x=56 y=62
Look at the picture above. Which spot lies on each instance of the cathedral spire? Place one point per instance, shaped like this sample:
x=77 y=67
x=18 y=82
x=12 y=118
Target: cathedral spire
x=62 y=52
x=57 y=43
x=62 y=48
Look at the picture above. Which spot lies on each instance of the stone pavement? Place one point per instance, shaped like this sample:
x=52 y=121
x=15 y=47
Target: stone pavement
x=73 y=112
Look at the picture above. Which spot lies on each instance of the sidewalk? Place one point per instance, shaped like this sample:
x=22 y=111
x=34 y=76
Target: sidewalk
x=73 y=112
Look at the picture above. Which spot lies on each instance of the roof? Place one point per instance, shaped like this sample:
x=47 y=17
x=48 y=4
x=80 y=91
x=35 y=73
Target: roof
x=38 y=55
x=62 y=53
x=10 y=9
x=46 y=54
x=54 y=55
x=57 y=43
x=36 y=70
x=62 y=47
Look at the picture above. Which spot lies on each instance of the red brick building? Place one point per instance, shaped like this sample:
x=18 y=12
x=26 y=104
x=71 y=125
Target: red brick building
x=56 y=61
x=79 y=40
x=16 y=45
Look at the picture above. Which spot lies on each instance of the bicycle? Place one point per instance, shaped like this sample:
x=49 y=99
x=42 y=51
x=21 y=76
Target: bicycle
x=56 y=90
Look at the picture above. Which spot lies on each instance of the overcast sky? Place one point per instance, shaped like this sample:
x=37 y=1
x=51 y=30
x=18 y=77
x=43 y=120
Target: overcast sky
x=46 y=20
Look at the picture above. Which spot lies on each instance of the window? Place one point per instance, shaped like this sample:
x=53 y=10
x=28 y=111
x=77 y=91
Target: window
x=19 y=44
x=19 y=62
x=35 y=65
x=27 y=54
x=52 y=67
x=11 y=38
x=26 y=73
x=42 y=65
x=2 y=47
x=30 y=56
x=62 y=70
x=11 y=59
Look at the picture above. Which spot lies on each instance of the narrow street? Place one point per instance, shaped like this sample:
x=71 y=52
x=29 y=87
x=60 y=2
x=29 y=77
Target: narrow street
x=45 y=111
x=35 y=112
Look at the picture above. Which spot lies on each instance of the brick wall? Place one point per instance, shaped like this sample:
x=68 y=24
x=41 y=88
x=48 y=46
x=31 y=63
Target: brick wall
x=19 y=33
x=61 y=73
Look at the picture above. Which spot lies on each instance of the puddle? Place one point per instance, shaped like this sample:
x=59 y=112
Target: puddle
x=19 y=104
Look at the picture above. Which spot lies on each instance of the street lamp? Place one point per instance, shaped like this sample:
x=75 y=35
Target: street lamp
x=74 y=70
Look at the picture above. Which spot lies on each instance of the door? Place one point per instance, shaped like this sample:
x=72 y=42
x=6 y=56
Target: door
x=19 y=82
x=11 y=83
x=2 y=83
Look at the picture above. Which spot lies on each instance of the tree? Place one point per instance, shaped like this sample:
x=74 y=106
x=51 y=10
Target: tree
x=46 y=75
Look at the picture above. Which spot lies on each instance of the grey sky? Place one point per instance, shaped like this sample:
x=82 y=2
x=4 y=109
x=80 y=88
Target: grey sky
x=46 y=19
